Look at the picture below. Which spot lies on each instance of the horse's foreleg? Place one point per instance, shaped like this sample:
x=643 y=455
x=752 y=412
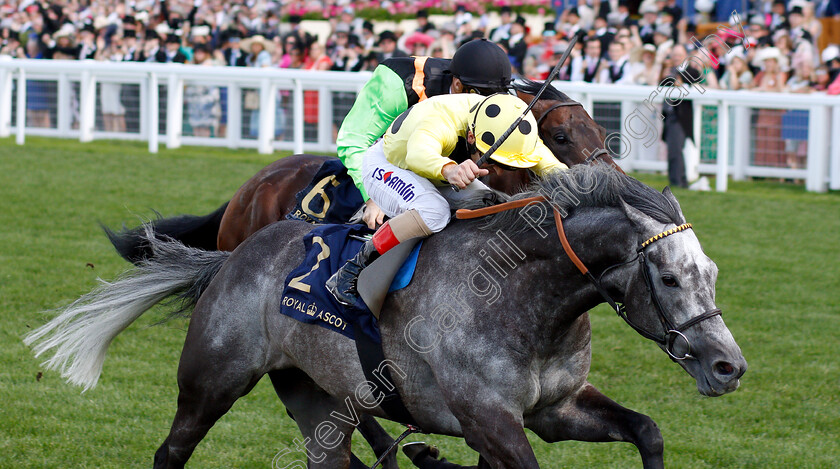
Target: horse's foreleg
x=592 y=416
x=380 y=441
x=499 y=437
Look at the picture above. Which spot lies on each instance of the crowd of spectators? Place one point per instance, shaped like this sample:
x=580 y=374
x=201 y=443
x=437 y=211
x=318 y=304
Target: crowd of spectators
x=779 y=52
x=771 y=45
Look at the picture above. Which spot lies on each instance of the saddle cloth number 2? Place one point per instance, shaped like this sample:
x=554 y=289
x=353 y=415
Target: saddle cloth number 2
x=297 y=282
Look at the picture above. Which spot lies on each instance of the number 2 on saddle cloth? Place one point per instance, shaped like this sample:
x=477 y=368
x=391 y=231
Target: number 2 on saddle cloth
x=331 y=197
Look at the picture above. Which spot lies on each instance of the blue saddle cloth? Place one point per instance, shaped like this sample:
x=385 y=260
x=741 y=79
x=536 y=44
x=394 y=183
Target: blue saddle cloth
x=331 y=197
x=305 y=296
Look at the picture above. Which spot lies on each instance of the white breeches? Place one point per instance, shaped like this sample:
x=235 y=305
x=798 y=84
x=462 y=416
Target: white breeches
x=398 y=190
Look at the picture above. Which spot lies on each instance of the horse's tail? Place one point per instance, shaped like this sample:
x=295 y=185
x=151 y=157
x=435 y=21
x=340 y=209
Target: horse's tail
x=79 y=336
x=192 y=230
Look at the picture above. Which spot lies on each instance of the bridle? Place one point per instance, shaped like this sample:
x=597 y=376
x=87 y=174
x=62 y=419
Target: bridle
x=671 y=332
x=591 y=158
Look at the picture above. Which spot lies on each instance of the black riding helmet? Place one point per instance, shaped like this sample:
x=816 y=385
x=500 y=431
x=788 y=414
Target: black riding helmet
x=481 y=66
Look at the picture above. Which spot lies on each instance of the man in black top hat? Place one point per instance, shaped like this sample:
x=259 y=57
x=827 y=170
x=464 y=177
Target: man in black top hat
x=388 y=46
x=171 y=51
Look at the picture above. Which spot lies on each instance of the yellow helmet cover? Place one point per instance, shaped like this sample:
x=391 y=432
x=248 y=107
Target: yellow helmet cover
x=492 y=117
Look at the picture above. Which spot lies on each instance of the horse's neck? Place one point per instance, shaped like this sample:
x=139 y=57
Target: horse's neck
x=559 y=292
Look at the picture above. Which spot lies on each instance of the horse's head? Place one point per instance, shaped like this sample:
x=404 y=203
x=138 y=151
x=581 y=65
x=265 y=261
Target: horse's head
x=565 y=126
x=670 y=295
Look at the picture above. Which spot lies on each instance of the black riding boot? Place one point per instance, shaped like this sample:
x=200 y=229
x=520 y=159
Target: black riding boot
x=342 y=284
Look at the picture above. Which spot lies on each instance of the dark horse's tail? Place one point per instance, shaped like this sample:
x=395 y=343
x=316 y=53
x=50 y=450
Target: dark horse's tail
x=79 y=335
x=191 y=230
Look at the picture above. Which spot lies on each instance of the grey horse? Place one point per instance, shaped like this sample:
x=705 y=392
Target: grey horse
x=491 y=337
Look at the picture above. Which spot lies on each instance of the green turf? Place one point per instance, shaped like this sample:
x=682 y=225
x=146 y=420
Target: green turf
x=777 y=248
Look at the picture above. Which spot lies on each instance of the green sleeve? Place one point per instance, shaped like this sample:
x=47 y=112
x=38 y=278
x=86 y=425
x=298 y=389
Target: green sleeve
x=379 y=102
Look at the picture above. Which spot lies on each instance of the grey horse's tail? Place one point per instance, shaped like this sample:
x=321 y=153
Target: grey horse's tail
x=197 y=231
x=79 y=336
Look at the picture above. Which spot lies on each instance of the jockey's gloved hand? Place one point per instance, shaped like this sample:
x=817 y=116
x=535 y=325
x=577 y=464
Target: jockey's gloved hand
x=461 y=175
x=374 y=216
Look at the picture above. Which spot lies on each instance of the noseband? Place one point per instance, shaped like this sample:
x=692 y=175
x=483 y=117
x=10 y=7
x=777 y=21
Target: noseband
x=591 y=158
x=671 y=332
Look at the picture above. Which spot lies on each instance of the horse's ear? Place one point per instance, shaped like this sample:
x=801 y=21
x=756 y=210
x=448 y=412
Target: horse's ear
x=674 y=203
x=644 y=224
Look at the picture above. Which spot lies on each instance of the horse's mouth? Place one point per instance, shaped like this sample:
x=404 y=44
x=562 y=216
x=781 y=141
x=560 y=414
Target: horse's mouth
x=707 y=389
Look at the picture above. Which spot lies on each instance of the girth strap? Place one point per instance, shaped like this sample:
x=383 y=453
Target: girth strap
x=372 y=359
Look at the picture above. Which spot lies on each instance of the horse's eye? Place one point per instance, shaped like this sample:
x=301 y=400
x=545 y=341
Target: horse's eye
x=669 y=281
x=560 y=138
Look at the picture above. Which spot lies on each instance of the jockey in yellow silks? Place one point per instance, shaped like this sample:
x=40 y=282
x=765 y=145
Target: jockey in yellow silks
x=428 y=149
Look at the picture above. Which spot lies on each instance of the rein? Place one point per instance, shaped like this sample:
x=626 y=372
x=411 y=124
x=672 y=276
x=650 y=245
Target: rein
x=671 y=332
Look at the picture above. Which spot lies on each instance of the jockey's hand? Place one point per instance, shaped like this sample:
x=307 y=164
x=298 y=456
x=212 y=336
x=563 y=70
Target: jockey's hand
x=373 y=216
x=461 y=175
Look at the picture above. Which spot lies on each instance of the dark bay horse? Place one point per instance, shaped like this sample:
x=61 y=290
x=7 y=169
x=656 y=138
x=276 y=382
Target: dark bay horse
x=505 y=348
x=565 y=127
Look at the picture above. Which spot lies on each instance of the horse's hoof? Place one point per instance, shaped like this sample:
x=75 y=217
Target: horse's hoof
x=419 y=450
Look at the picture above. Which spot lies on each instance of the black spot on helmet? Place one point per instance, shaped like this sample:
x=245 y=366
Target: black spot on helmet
x=493 y=110
x=488 y=138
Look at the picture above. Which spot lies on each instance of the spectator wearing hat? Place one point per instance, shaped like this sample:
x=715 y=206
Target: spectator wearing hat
x=87 y=39
x=588 y=66
x=259 y=51
x=663 y=40
x=769 y=145
x=604 y=32
x=798 y=33
x=737 y=75
x=679 y=117
x=517 y=45
x=647 y=25
x=502 y=32
x=423 y=24
x=171 y=51
x=778 y=16
x=368 y=38
x=388 y=46
x=644 y=69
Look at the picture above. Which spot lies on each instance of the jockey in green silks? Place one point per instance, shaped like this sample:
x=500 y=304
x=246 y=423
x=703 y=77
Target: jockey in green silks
x=478 y=66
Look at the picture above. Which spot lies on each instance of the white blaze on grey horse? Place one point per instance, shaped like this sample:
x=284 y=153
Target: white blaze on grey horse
x=520 y=362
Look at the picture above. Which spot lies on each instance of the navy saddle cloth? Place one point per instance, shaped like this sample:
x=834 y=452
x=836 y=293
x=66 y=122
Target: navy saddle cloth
x=305 y=296
x=331 y=197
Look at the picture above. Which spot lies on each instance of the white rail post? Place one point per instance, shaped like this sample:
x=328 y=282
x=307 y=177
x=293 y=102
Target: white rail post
x=297 y=112
x=20 y=121
x=741 y=136
x=63 y=102
x=817 y=149
x=234 y=115
x=6 y=84
x=628 y=155
x=721 y=182
x=835 y=149
x=87 y=106
x=325 y=119
x=174 y=111
x=153 y=116
x=268 y=106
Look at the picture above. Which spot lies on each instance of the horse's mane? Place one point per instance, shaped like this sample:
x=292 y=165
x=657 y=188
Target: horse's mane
x=582 y=186
x=532 y=87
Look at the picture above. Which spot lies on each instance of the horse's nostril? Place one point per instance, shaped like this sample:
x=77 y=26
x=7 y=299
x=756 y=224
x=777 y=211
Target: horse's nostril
x=724 y=368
